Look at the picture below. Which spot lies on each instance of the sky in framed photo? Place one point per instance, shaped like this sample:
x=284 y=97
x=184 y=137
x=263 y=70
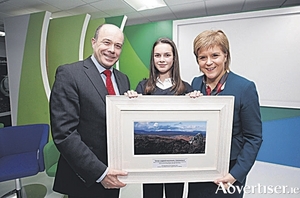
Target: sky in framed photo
x=163 y=137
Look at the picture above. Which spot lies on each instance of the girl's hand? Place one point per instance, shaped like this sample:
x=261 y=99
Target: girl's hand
x=131 y=94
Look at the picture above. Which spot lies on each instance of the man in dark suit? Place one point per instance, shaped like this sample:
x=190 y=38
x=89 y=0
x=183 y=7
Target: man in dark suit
x=78 y=119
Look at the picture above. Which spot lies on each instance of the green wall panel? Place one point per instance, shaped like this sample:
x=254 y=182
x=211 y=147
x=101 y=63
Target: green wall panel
x=33 y=102
x=115 y=20
x=273 y=113
x=63 y=42
x=132 y=65
x=141 y=37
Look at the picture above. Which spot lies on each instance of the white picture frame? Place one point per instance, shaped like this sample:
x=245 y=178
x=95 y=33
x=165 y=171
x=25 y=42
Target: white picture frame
x=123 y=113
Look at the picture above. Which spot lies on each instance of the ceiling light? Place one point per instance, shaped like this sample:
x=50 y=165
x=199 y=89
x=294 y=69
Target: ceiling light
x=145 y=4
x=2 y=33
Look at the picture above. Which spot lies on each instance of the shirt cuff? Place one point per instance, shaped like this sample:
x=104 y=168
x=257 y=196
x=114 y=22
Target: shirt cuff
x=102 y=176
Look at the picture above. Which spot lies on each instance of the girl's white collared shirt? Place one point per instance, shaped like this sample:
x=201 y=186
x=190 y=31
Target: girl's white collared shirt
x=164 y=85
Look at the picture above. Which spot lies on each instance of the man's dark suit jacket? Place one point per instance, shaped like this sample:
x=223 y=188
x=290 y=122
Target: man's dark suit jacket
x=78 y=124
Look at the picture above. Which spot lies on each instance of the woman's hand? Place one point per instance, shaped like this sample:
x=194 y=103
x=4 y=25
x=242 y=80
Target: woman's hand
x=194 y=94
x=226 y=180
x=131 y=94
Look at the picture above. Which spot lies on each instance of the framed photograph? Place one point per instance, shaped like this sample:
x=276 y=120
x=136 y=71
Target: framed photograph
x=166 y=139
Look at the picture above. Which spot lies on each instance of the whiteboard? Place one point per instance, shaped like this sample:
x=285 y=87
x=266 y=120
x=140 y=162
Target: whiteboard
x=264 y=47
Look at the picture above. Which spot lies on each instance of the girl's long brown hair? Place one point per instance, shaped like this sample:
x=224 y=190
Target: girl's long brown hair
x=178 y=85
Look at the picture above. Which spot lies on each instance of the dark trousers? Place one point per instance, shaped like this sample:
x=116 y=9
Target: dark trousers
x=173 y=190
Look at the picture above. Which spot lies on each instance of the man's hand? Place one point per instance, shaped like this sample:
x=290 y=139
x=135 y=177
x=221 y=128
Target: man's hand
x=111 y=179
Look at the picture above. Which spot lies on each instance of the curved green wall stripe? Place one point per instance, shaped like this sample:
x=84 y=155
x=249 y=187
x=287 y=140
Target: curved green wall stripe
x=132 y=65
x=33 y=102
x=44 y=71
x=63 y=42
x=83 y=36
x=273 y=113
x=142 y=36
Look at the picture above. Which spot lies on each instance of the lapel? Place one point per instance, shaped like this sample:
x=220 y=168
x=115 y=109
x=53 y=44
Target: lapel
x=122 y=85
x=95 y=77
x=201 y=86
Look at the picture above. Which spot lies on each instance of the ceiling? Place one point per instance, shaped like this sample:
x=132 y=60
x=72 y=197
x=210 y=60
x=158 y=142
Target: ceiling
x=176 y=9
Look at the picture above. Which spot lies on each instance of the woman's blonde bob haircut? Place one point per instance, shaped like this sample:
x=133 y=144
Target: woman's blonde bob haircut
x=211 y=38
